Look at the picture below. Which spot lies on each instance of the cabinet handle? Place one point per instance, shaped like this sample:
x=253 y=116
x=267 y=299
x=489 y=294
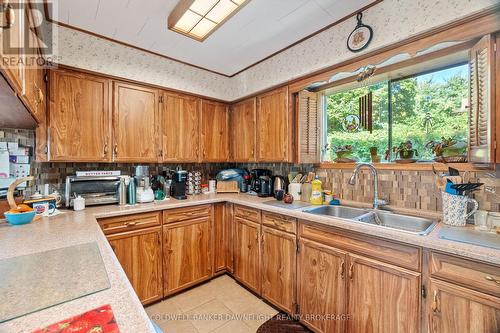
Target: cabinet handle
x=351 y=271
x=492 y=279
x=105 y=148
x=160 y=153
x=10 y=17
x=116 y=149
x=435 y=302
x=262 y=238
x=130 y=224
x=342 y=269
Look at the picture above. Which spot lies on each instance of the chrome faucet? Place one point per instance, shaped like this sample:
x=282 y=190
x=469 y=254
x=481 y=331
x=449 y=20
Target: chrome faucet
x=352 y=181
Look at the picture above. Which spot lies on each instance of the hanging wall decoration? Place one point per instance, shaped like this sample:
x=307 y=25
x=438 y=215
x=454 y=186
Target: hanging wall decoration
x=360 y=37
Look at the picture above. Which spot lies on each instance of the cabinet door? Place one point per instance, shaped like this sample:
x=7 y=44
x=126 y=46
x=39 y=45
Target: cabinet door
x=12 y=47
x=273 y=126
x=279 y=251
x=243 y=136
x=229 y=226
x=214 y=132
x=382 y=298
x=454 y=309
x=322 y=287
x=135 y=122
x=79 y=110
x=247 y=253
x=180 y=128
x=221 y=237
x=187 y=254
x=139 y=253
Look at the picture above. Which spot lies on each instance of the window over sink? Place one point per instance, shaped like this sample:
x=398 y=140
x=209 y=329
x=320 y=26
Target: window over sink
x=385 y=112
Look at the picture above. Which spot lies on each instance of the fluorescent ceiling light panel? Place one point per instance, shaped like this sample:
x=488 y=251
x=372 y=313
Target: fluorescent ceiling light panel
x=199 y=18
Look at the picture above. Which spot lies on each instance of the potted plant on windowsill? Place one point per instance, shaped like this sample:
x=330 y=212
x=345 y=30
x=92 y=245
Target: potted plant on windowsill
x=344 y=154
x=405 y=152
x=448 y=150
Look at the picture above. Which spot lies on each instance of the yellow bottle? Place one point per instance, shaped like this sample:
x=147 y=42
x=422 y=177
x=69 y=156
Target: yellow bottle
x=316 y=193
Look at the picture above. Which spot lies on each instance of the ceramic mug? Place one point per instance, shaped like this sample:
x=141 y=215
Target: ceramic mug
x=44 y=208
x=455 y=209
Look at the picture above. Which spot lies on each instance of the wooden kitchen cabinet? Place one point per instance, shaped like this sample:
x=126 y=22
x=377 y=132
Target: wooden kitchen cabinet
x=187 y=253
x=139 y=253
x=279 y=252
x=135 y=123
x=455 y=309
x=12 y=48
x=79 y=117
x=220 y=236
x=180 y=128
x=273 y=126
x=214 y=124
x=243 y=130
x=382 y=297
x=322 y=287
x=247 y=253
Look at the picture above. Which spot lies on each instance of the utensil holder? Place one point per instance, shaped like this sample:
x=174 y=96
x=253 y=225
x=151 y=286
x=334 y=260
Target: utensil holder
x=455 y=209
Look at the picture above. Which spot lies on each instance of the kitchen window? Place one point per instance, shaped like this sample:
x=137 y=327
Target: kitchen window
x=362 y=118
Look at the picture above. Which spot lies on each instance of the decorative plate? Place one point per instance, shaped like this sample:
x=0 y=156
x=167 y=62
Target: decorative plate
x=350 y=123
x=360 y=37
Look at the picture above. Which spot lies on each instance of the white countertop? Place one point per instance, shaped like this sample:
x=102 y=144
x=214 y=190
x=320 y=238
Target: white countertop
x=71 y=228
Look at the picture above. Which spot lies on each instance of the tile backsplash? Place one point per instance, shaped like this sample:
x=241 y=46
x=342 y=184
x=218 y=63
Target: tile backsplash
x=403 y=189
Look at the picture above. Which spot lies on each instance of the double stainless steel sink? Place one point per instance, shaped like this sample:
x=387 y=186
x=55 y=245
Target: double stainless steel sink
x=383 y=219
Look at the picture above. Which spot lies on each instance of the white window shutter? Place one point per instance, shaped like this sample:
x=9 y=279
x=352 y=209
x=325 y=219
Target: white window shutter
x=482 y=101
x=308 y=127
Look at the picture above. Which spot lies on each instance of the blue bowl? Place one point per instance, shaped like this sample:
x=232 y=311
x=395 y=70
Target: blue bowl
x=19 y=218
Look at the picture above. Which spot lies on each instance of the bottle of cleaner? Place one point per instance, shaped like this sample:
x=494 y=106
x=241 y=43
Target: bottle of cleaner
x=316 y=193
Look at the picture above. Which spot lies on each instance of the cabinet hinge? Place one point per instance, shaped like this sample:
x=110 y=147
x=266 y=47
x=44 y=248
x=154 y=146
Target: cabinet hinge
x=298 y=247
x=160 y=99
x=46 y=78
x=424 y=292
x=297 y=308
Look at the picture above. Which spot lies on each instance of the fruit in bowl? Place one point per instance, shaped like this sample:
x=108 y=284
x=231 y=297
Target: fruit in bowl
x=22 y=214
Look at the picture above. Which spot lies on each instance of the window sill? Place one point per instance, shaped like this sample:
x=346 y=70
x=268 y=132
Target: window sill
x=424 y=166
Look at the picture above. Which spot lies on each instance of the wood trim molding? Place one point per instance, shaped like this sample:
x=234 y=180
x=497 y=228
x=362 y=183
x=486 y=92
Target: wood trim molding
x=49 y=19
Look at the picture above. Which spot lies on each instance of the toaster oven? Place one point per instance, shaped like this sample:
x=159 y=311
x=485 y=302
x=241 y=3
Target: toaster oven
x=97 y=190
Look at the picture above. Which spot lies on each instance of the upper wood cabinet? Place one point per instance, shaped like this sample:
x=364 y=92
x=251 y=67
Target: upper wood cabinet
x=243 y=131
x=454 y=309
x=12 y=47
x=382 y=297
x=273 y=127
x=214 y=124
x=139 y=253
x=482 y=101
x=180 y=128
x=135 y=123
x=79 y=117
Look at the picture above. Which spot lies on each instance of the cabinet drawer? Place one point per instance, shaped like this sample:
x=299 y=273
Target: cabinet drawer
x=475 y=275
x=281 y=222
x=394 y=253
x=112 y=225
x=188 y=213
x=247 y=213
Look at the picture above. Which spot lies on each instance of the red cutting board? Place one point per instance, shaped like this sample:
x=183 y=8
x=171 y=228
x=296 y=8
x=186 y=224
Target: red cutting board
x=99 y=320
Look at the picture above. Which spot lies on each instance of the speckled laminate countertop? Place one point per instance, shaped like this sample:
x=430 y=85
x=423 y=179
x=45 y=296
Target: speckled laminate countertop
x=71 y=228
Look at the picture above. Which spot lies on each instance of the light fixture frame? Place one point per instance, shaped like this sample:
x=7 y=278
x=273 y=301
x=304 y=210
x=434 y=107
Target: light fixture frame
x=183 y=6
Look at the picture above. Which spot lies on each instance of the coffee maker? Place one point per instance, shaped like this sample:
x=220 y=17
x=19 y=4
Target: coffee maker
x=255 y=174
x=178 y=187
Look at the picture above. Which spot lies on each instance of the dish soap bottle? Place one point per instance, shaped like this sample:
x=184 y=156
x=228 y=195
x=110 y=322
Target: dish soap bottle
x=316 y=193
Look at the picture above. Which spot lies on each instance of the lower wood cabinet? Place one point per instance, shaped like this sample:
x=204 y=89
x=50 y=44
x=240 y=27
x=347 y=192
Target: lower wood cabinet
x=247 y=253
x=279 y=258
x=322 y=286
x=223 y=238
x=187 y=253
x=455 y=309
x=139 y=253
x=382 y=297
